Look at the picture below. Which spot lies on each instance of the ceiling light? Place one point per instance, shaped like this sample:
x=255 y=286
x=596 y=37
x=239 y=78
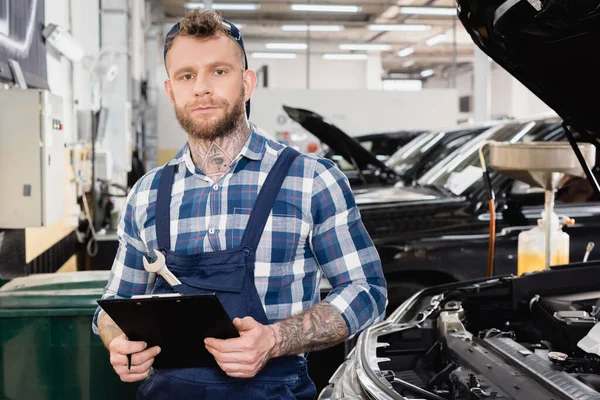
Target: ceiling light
x=365 y=47
x=427 y=72
x=225 y=6
x=435 y=40
x=337 y=56
x=429 y=10
x=325 y=8
x=286 y=46
x=406 y=52
x=399 y=27
x=312 y=28
x=285 y=56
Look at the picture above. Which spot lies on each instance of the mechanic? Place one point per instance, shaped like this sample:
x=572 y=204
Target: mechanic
x=201 y=211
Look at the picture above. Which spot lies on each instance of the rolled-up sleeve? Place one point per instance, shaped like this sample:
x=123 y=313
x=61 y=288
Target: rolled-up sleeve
x=345 y=251
x=128 y=276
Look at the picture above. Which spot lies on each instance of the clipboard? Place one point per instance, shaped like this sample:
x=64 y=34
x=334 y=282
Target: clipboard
x=178 y=324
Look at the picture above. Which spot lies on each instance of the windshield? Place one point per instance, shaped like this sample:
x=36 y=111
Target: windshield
x=461 y=169
x=425 y=151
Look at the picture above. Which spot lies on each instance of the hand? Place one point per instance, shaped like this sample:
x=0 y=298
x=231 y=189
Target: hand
x=245 y=356
x=141 y=358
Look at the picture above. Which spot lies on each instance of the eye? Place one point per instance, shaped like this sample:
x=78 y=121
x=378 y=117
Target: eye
x=220 y=72
x=186 y=77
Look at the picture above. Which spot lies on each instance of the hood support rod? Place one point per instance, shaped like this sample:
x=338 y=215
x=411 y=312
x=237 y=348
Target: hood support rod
x=591 y=178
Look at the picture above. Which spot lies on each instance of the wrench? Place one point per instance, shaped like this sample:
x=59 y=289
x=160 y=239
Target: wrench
x=160 y=267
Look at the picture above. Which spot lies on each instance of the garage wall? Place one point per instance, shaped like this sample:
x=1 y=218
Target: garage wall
x=324 y=74
x=509 y=98
x=354 y=111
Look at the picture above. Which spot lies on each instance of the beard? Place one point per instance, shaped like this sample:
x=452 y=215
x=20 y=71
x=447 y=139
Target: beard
x=212 y=129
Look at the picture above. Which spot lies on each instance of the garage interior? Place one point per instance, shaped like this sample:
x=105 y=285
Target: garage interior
x=455 y=148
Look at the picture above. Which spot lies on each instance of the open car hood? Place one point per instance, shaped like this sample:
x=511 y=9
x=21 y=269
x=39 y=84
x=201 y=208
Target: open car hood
x=548 y=45
x=336 y=139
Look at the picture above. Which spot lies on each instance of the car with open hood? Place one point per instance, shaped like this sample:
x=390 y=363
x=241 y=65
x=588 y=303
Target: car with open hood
x=533 y=336
x=437 y=231
x=367 y=160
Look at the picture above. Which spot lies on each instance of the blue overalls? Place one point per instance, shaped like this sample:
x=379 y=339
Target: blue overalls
x=230 y=274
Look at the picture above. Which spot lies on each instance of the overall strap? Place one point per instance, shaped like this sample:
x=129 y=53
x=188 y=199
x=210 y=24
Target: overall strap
x=163 y=207
x=266 y=198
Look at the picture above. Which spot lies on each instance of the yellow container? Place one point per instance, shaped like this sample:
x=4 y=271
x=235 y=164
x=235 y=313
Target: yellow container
x=532 y=246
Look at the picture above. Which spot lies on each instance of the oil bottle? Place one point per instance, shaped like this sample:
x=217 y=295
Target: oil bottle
x=532 y=245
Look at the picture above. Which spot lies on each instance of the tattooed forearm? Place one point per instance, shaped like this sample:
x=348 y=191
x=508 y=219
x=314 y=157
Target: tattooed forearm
x=315 y=329
x=107 y=328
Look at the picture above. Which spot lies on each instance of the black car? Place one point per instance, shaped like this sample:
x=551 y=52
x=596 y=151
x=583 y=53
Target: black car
x=382 y=144
x=424 y=152
x=366 y=162
x=535 y=336
x=437 y=231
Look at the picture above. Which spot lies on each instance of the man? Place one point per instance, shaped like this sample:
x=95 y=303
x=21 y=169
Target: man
x=202 y=208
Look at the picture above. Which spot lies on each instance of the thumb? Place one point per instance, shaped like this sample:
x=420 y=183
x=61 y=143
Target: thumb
x=244 y=324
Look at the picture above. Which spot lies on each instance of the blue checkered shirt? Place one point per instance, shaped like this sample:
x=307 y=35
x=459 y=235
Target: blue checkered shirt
x=314 y=230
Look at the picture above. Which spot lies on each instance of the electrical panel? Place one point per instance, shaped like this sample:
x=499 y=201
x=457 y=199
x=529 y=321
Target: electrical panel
x=32 y=159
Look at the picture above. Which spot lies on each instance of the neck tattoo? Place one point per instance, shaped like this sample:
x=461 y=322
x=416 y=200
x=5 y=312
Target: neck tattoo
x=215 y=157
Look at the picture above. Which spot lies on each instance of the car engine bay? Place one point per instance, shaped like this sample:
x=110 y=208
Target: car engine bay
x=488 y=340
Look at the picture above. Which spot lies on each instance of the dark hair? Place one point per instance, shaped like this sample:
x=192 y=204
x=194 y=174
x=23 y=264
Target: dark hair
x=202 y=24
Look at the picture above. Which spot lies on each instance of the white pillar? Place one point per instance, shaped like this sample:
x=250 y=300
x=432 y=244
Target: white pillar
x=373 y=71
x=481 y=98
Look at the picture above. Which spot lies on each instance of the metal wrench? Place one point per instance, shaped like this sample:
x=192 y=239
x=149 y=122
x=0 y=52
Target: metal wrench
x=160 y=267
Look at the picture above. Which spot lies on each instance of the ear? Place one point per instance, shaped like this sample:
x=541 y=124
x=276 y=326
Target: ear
x=249 y=78
x=169 y=90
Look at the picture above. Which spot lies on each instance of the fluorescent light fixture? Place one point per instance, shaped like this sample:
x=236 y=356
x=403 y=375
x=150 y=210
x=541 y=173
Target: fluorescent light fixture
x=63 y=42
x=225 y=6
x=338 y=56
x=325 y=8
x=427 y=72
x=286 y=46
x=435 y=40
x=365 y=47
x=428 y=10
x=406 y=52
x=399 y=27
x=281 y=56
x=312 y=28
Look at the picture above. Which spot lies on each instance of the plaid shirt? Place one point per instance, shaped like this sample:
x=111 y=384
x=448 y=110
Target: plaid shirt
x=313 y=229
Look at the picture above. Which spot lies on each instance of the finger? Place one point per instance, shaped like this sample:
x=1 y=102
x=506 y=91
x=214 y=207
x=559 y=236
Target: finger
x=124 y=346
x=142 y=368
x=244 y=324
x=228 y=345
x=142 y=357
x=236 y=368
x=133 y=377
x=117 y=359
x=237 y=357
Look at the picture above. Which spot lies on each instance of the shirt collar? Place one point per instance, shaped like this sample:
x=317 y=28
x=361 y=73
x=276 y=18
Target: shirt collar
x=254 y=149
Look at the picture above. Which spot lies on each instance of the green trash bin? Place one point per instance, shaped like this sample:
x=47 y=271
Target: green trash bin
x=47 y=348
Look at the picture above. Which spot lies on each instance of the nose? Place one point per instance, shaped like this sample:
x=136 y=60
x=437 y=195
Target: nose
x=202 y=86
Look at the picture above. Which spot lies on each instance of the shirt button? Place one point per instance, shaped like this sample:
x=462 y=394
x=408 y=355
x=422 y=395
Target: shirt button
x=216 y=187
x=211 y=231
